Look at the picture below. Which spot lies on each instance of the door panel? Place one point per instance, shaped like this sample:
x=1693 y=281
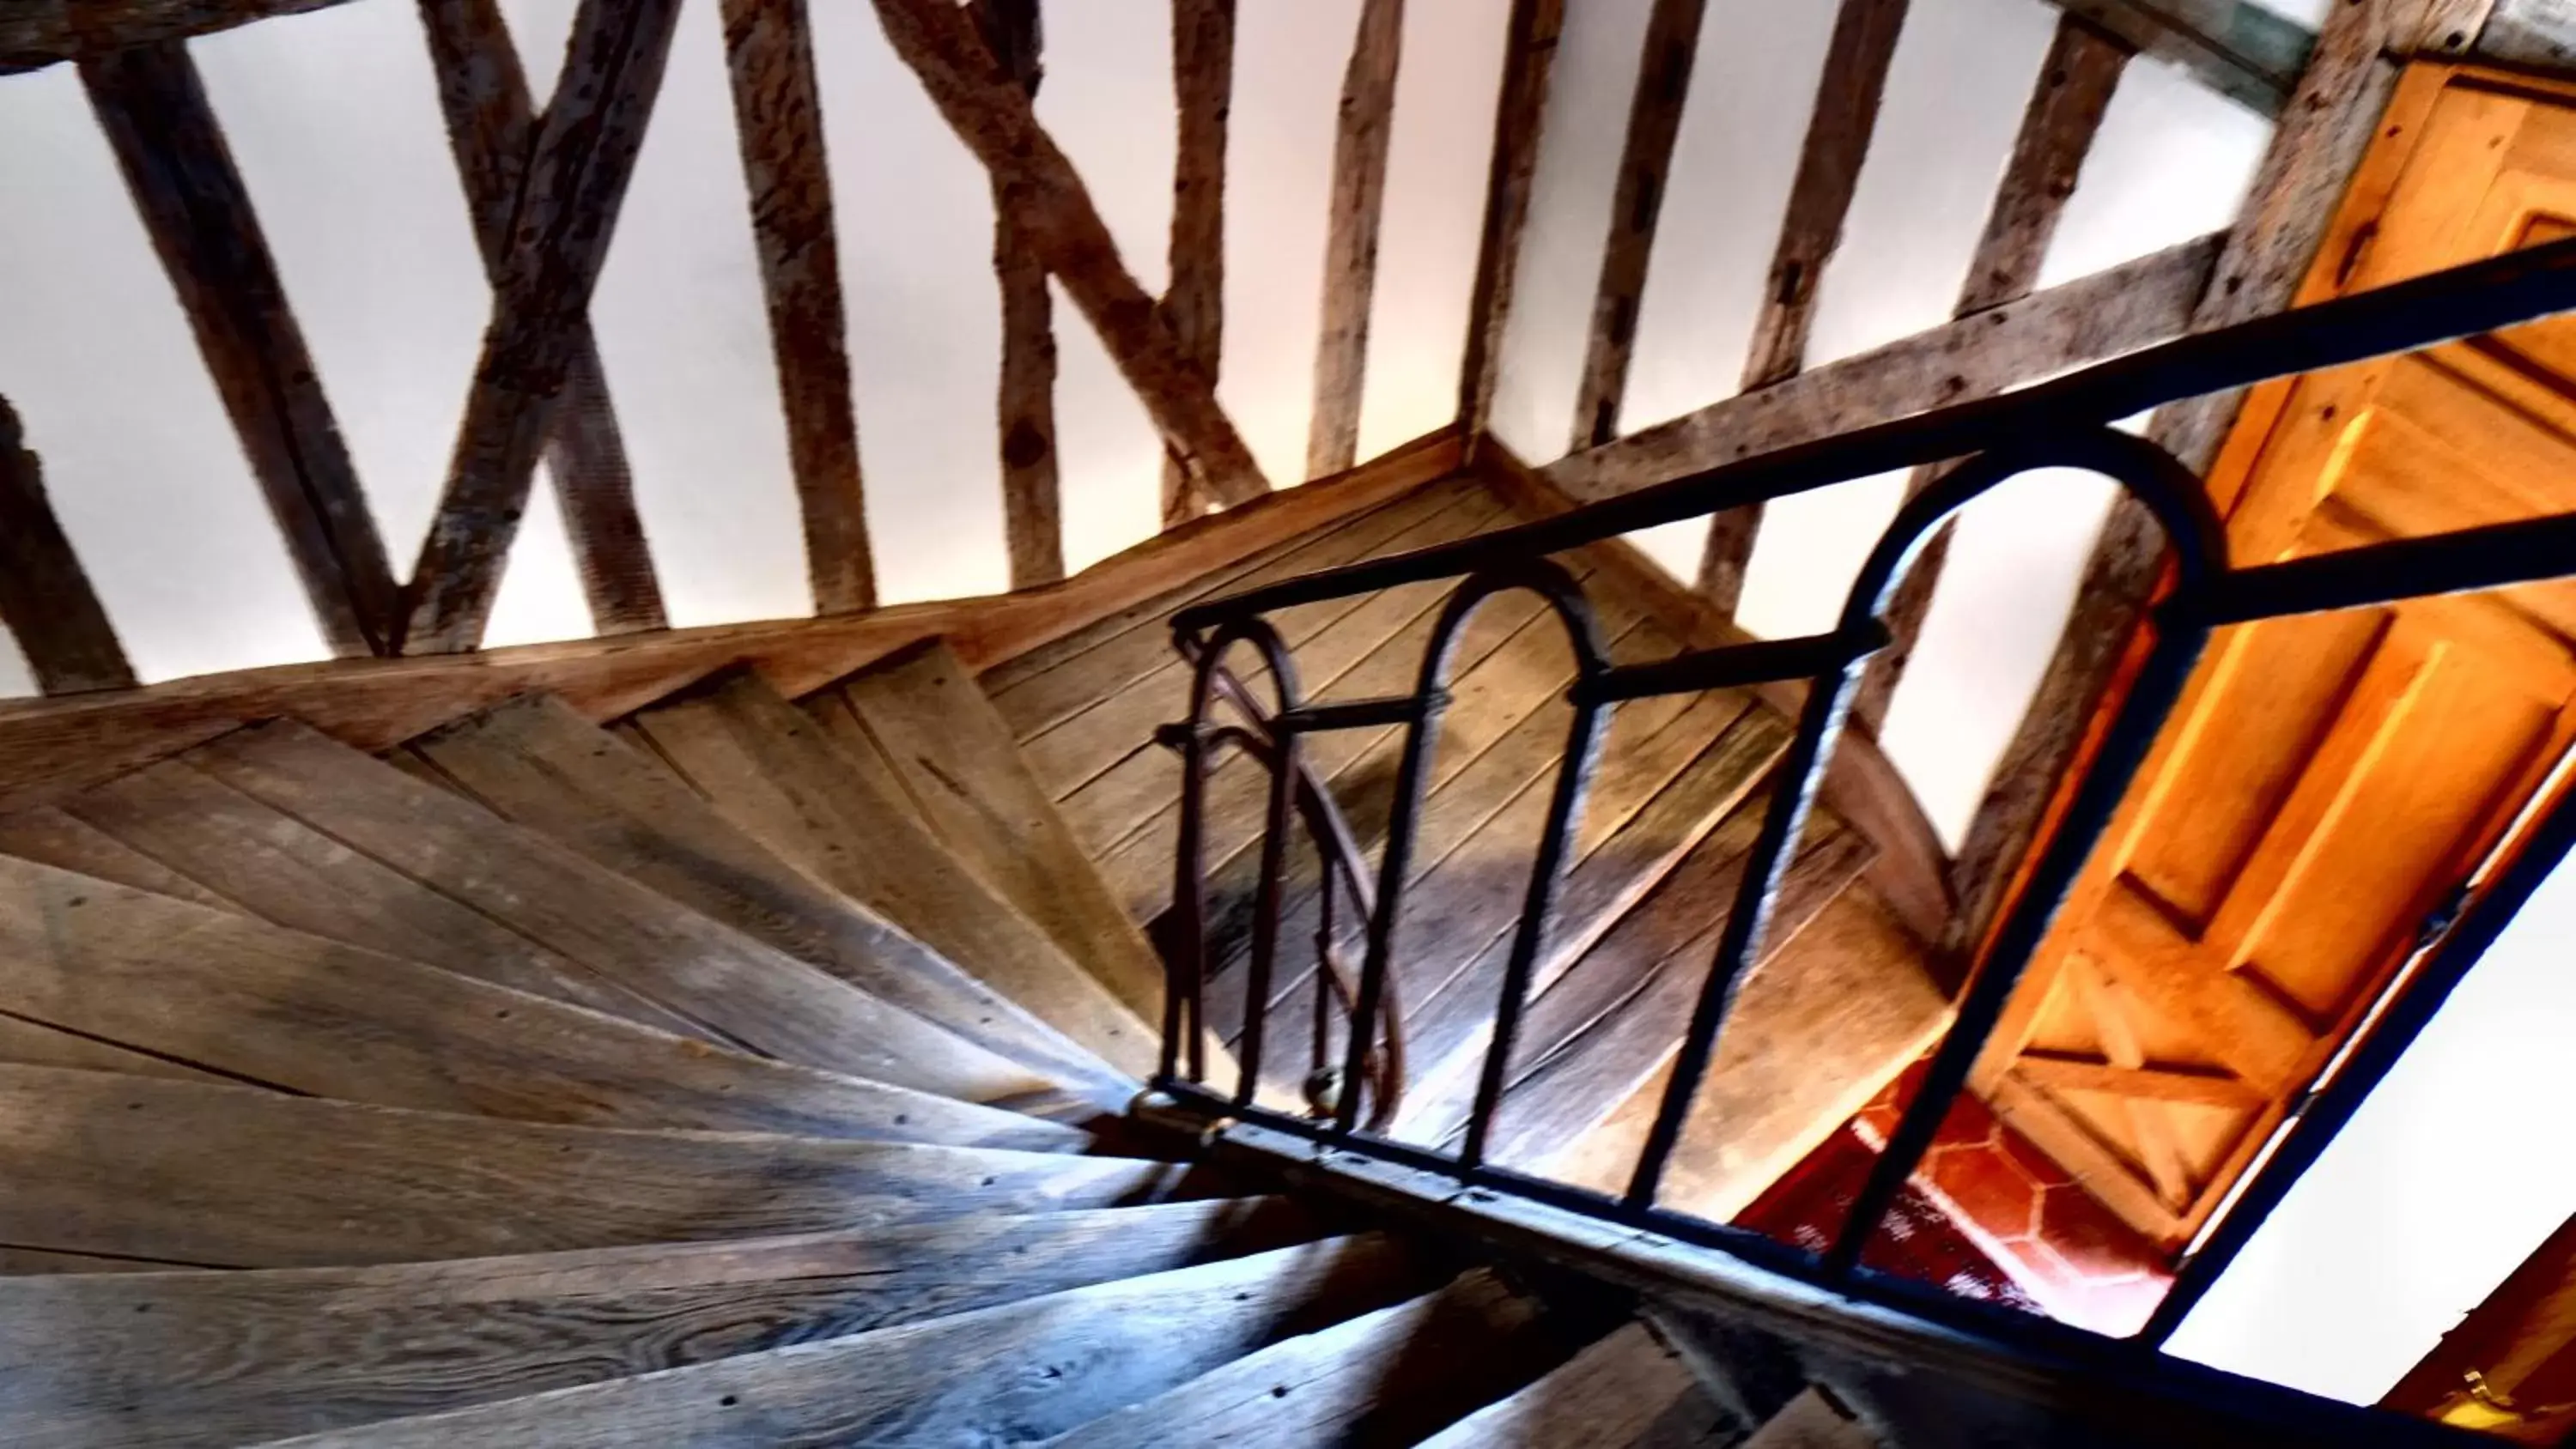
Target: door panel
x=2325 y=782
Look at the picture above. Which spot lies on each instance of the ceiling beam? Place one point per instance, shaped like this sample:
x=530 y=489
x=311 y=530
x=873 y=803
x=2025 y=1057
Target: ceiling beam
x=45 y=598
x=152 y=105
x=1519 y=112
x=1838 y=136
x=2296 y=192
x=578 y=169
x=1032 y=492
x=778 y=119
x=39 y=33
x=2083 y=321
x=483 y=90
x=1367 y=125
x=1193 y=304
x=2076 y=81
x=1055 y=213
x=2247 y=53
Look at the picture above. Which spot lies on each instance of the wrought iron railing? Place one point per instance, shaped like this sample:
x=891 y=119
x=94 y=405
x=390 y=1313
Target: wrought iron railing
x=2065 y=423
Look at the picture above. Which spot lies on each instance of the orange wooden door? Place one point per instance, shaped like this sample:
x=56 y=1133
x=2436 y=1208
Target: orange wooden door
x=2326 y=783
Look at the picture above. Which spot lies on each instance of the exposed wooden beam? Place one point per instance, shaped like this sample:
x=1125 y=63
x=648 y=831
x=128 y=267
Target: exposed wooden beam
x=153 y=107
x=1367 y=125
x=2250 y=54
x=45 y=598
x=38 y=33
x=49 y=748
x=1194 y=300
x=2313 y=154
x=484 y=91
x=2076 y=80
x=779 y=119
x=2456 y=28
x=2128 y=307
x=1032 y=497
x=1054 y=213
x=578 y=168
x=1838 y=134
x=1519 y=112
x=1654 y=120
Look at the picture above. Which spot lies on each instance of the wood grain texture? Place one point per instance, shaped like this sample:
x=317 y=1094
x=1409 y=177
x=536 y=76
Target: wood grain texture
x=166 y=1358
x=1032 y=501
x=52 y=836
x=921 y=712
x=1004 y=1375
x=235 y=1176
x=48 y=32
x=1360 y=141
x=1519 y=111
x=1193 y=304
x=2243 y=50
x=778 y=119
x=283 y=1009
x=49 y=748
x=739 y=990
x=152 y=105
x=45 y=598
x=1838 y=135
x=2128 y=307
x=779 y=777
x=2278 y=234
x=1045 y=197
x=491 y=122
x=259 y=861
x=2076 y=80
x=579 y=162
x=1654 y=120
x=1383 y=1378
x=1627 y=1391
x=546 y=768
x=35 y=1044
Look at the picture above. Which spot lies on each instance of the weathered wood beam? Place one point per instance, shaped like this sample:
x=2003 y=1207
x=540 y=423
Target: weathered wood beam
x=779 y=119
x=483 y=90
x=1519 y=112
x=1367 y=126
x=45 y=598
x=1194 y=299
x=2076 y=80
x=1838 y=134
x=2240 y=49
x=578 y=168
x=1053 y=210
x=153 y=107
x=2535 y=34
x=2128 y=307
x=1654 y=120
x=49 y=748
x=1032 y=495
x=38 y=33
x=2322 y=137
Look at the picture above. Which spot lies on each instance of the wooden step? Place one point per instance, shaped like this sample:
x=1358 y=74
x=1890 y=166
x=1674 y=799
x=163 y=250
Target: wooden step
x=167 y=1359
x=34 y=1044
x=240 y=1177
x=54 y=836
x=1004 y=1375
x=743 y=992
x=537 y=762
x=777 y=775
x=1383 y=1379
x=1813 y=1421
x=285 y=1009
x=214 y=845
x=920 y=714
x=1626 y=1392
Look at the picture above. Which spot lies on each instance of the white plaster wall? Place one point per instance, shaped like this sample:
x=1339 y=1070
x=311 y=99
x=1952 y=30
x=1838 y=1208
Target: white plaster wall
x=2444 y=1182
x=140 y=458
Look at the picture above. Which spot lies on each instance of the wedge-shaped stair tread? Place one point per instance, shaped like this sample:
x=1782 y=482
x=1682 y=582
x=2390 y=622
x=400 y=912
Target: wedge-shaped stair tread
x=1003 y=1375
x=50 y=834
x=160 y=1359
x=1384 y=1379
x=1626 y=1392
x=921 y=713
x=780 y=777
x=34 y=1044
x=542 y=765
x=289 y=1010
x=239 y=1177
x=1811 y=1421
x=745 y=992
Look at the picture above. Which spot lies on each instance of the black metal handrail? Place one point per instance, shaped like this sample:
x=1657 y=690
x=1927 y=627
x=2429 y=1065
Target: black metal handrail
x=2066 y=423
